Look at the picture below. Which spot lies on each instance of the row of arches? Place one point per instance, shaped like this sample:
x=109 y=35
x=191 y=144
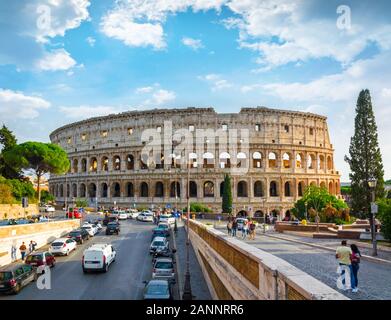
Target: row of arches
x=208 y=189
x=208 y=161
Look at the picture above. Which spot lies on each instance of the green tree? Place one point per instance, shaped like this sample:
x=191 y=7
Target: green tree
x=40 y=157
x=6 y=194
x=81 y=203
x=389 y=194
x=7 y=142
x=227 y=195
x=46 y=196
x=384 y=216
x=365 y=159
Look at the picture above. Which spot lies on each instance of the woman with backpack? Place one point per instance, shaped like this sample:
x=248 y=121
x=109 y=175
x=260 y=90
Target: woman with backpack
x=355 y=259
x=252 y=230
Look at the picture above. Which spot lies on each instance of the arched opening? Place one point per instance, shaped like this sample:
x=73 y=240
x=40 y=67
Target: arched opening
x=300 y=189
x=242 y=160
x=337 y=188
x=274 y=213
x=257 y=160
x=287 y=189
x=287 y=215
x=175 y=160
x=83 y=165
x=93 y=165
x=272 y=160
x=258 y=189
x=61 y=191
x=242 y=213
x=68 y=193
x=144 y=189
x=273 y=189
x=258 y=214
x=159 y=162
x=82 y=190
x=116 y=190
x=92 y=190
x=329 y=163
x=208 y=160
x=159 y=189
x=323 y=185
x=104 y=190
x=175 y=189
x=193 y=189
x=242 y=189
x=286 y=160
x=331 y=189
x=129 y=190
x=75 y=165
x=311 y=162
x=116 y=163
x=144 y=161
x=299 y=161
x=105 y=164
x=130 y=162
x=225 y=160
x=193 y=160
x=74 y=190
x=209 y=189
x=321 y=163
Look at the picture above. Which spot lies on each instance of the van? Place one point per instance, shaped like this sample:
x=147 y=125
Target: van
x=98 y=257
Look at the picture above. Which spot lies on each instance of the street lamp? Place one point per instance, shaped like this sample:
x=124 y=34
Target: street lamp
x=372 y=186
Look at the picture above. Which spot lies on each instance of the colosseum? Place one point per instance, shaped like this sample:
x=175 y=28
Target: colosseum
x=286 y=151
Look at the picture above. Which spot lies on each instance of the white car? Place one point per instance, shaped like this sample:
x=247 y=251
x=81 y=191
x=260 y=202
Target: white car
x=122 y=215
x=62 y=246
x=47 y=208
x=167 y=218
x=90 y=228
x=132 y=213
x=98 y=257
x=145 y=216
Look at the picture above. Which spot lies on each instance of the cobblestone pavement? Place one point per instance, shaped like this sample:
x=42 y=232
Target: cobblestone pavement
x=198 y=285
x=374 y=278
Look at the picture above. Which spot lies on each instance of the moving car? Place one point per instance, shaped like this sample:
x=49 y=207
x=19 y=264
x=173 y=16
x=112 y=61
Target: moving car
x=15 y=276
x=145 y=216
x=41 y=258
x=62 y=246
x=47 y=208
x=79 y=235
x=158 y=290
x=159 y=232
x=74 y=213
x=91 y=229
x=164 y=226
x=122 y=215
x=98 y=257
x=163 y=268
x=159 y=244
x=132 y=213
x=113 y=227
x=167 y=218
x=108 y=219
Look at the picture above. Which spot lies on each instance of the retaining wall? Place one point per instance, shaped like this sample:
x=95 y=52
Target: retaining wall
x=14 y=211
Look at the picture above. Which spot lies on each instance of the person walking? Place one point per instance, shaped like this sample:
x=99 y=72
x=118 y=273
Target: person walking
x=23 y=250
x=252 y=230
x=343 y=255
x=234 y=227
x=245 y=229
x=229 y=227
x=32 y=246
x=355 y=259
x=13 y=252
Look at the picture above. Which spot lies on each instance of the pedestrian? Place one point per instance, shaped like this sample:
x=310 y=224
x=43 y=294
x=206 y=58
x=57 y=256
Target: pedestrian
x=13 y=252
x=343 y=254
x=23 y=250
x=234 y=227
x=31 y=246
x=252 y=230
x=245 y=229
x=229 y=227
x=355 y=259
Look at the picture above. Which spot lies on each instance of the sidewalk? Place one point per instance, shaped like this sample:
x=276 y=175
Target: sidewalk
x=199 y=287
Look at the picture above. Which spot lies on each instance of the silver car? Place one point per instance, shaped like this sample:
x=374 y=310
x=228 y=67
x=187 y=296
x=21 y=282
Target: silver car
x=163 y=268
x=158 y=290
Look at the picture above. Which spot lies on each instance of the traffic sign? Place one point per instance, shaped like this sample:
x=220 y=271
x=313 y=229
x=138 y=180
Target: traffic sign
x=168 y=205
x=374 y=207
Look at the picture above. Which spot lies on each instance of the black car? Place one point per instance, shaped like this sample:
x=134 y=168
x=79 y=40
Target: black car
x=109 y=219
x=112 y=227
x=79 y=235
x=16 y=276
x=159 y=232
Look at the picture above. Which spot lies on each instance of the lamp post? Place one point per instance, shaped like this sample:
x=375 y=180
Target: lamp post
x=372 y=186
x=187 y=293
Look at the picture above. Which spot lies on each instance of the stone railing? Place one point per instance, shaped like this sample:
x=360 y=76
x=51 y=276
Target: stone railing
x=235 y=270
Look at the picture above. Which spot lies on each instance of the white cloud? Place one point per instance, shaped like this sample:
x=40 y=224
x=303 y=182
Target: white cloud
x=86 y=111
x=216 y=81
x=17 y=105
x=195 y=44
x=91 y=41
x=139 y=23
x=144 y=90
x=56 y=60
x=160 y=97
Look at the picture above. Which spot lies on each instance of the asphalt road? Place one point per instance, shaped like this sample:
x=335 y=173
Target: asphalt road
x=125 y=277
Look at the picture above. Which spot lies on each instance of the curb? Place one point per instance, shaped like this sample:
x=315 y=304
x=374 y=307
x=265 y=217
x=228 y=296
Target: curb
x=178 y=267
x=364 y=257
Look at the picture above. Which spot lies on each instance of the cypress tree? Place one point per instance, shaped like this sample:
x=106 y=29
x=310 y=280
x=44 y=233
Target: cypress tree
x=365 y=159
x=227 y=195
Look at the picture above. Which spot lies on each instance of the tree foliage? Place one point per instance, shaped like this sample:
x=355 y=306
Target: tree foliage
x=19 y=189
x=7 y=142
x=384 y=215
x=40 y=157
x=46 y=197
x=198 y=207
x=6 y=194
x=365 y=159
x=227 y=195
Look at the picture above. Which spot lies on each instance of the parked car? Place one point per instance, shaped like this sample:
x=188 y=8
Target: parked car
x=15 y=276
x=98 y=225
x=132 y=213
x=145 y=216
x=167 y=218
x=74 y=213
x=158 y=290
x=47 y=208
x=164 y=254
x=113 y=227
x=40 y=258
x=159 y=232
x=108 y=219
x=240 y=222
x=159 y=243
x=122 y=215
x=98 y=257
x=79 y=235
x=163 y=268
x=90 y=228
x=62 y=246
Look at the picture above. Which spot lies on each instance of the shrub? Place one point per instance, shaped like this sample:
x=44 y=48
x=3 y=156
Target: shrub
x=6 y=194
x=384 y=216
x=81 y=203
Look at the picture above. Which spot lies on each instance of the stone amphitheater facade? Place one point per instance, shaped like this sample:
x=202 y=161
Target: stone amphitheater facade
x=286 y=151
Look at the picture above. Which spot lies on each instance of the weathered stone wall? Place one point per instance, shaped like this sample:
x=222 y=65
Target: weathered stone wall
x=238 y=271
x=14 y=211
x=42 y=233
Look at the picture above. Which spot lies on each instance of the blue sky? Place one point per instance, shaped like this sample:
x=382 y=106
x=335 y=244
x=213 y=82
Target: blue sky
x=101 y=57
